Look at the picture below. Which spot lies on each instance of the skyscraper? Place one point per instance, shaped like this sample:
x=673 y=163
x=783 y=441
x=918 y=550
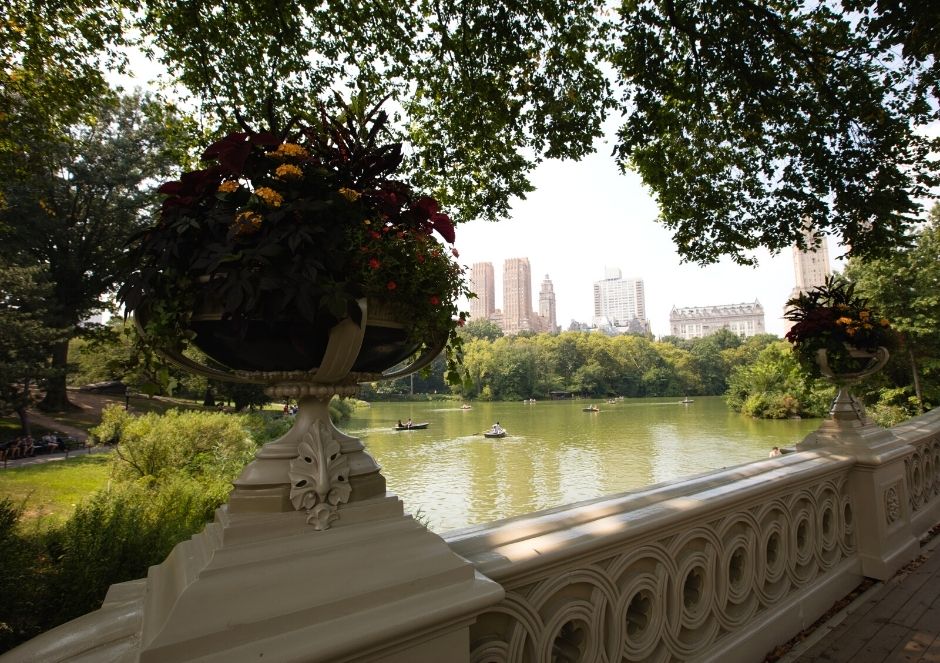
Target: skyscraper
x=517 y=295
x=810 y=267
x=547 y=306
x=483 y=284
x=618 y=301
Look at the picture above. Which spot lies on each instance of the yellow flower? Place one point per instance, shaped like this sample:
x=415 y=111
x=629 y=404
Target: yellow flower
x=269 y=196
x=247 y=223
x=350 y=194
x=228 y=187
x=288 y=171
x=850 y=331
x=844 y=321
x=867 y=325
x=863 y=315
x=289 y=151
x=884 y=322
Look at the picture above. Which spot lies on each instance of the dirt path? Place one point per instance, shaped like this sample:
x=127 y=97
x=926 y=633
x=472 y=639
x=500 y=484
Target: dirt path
x=90 y=410
x=52 y=424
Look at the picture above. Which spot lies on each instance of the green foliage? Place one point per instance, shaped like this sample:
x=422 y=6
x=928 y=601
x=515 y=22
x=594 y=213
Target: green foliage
x=906 y=288
x=20 y=586
x=744 y=118
x=86 y=183
x=597 y=365
x=115 y=536
x=209 y=446
x=775 y=386
x=25 y=338
x=485 y=329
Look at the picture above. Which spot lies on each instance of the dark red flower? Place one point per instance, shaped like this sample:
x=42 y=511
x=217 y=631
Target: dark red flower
x=232 y=151
x=443 y=225
x=391 y=285
x=425 y=207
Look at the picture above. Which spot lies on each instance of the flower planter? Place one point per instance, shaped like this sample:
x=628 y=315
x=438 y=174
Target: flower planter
x=295 y=345
x=869 y=362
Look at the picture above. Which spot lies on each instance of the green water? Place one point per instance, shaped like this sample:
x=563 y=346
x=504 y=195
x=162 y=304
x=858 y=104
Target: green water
x=554 y=453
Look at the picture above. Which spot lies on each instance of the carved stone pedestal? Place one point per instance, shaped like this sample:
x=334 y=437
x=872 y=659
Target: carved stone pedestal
x=268 y=587
x=880 y=504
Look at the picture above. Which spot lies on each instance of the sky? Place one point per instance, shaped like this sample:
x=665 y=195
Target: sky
x=586 y=216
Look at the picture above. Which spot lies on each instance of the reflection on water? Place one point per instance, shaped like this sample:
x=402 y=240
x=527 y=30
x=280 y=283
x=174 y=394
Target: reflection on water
x=554 y=453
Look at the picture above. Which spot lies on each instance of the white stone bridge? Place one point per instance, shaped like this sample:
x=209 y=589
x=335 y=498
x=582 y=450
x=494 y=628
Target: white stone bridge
x=719 y=567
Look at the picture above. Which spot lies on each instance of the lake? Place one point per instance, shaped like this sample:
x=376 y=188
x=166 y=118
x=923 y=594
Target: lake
x=554 y=453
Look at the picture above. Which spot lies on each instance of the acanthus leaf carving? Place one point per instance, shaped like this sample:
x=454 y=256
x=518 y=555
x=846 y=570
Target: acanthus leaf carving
x=319 y=476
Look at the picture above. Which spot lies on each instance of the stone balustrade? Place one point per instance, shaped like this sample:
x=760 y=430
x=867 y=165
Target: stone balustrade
x=719 y=567
x=722 y=566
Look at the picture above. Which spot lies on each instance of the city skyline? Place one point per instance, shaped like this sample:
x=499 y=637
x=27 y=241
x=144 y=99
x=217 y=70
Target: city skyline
x=517 y=313
x=585 y=215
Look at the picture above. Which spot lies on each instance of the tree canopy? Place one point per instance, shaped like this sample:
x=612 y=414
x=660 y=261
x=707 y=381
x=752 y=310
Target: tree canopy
x=905 y=287
x=75 y=194
x=746 y=118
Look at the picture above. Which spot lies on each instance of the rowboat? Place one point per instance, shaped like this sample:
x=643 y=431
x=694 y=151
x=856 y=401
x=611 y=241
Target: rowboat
x=413 y=426
x=499 y=434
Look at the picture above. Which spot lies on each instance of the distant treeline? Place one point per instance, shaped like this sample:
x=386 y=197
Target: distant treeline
x=591 y=365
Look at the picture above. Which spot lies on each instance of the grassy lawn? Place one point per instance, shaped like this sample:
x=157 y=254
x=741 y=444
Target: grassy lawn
x=51 y=490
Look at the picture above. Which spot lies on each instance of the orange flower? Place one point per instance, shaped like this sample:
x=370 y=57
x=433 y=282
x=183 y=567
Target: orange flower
x=288 y=171
x=228 y=187
x=289 y=151
x=349 y=194
x=844 y=321
x=269 y=196
x=247 y=223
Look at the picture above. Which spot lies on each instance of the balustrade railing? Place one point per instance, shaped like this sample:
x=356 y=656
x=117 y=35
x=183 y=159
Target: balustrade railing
x=722 y=566
x=682 y=571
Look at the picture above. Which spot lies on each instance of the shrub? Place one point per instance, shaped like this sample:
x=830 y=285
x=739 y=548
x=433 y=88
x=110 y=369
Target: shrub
x=115 y=536
x=113 y=420
x=211 y=445
x=20 y=578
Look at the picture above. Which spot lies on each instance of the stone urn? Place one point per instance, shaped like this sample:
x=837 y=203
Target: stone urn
x=314 y=467
x=847 y=424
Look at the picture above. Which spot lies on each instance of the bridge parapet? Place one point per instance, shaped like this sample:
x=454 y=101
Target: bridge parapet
x=718 y=567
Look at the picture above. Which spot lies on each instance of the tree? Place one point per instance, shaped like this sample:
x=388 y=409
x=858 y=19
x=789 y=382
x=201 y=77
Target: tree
x=24 y=340
x=74 y=197
x=486 y=329
x=905 y=288
x=746 y=119
x=774 y=386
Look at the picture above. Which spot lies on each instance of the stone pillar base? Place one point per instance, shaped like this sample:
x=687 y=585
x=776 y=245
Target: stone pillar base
x=376 y=587
x=879 y=487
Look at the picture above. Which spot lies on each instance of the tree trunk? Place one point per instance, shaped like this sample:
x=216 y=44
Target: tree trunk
x=57 y=398
x=23 y=414
x=208 y=399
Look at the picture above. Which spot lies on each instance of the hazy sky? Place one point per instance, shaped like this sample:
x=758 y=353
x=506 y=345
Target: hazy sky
x=586 y=216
